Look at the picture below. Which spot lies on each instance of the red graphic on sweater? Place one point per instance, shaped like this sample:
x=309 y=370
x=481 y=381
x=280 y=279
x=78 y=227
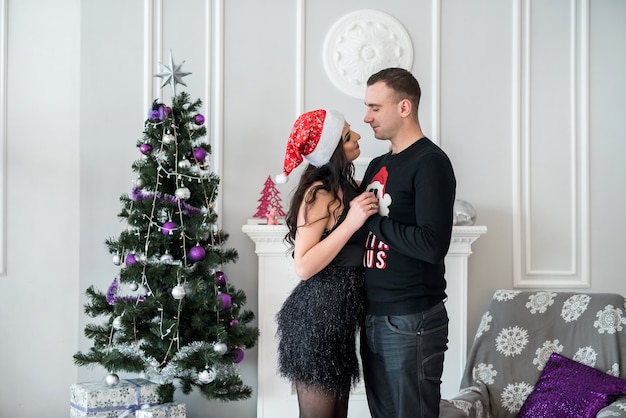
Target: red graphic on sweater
x=377 y=186
x=375 y=255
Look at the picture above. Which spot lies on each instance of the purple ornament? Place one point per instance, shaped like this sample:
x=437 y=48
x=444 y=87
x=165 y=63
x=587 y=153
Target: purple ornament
x=199 y=119
x=197 y=253
x=131 y=259
x=233 y=322
x=157 y=111
x=162 y=112
x=220 y=278
x=238 y=352
x=199 y=154
x=145 y=148
x=168 y=228
x=224 y=301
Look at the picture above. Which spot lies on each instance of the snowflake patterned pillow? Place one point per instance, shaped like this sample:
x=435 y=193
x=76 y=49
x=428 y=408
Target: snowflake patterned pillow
x=568 y=389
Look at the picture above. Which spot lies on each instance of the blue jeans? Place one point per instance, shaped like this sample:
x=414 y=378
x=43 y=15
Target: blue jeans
x=403 y=363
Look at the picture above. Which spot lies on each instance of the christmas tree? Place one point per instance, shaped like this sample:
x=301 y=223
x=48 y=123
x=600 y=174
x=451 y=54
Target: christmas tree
x=270 y=199
x=171 y=314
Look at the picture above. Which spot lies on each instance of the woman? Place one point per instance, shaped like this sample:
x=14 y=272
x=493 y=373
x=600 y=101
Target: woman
x=317 y=323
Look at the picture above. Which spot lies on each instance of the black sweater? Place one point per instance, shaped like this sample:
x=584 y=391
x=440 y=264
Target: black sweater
x=409 y=238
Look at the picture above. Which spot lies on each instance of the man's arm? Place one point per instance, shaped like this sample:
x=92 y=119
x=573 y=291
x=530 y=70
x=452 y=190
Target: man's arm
x=429 y=238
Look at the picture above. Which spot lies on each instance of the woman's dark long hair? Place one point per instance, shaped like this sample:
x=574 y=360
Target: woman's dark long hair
x=334 y=176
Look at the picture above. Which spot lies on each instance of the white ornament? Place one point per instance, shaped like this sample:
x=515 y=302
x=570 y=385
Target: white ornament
x=134 y=286
x=206 y=376
x=182 y=193
x=139 y=182
x=112 y=379
x=117 y=259
x=220 y=348
x=178 y=292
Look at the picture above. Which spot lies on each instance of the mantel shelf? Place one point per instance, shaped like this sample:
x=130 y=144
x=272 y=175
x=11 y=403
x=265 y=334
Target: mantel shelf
x=462 y=236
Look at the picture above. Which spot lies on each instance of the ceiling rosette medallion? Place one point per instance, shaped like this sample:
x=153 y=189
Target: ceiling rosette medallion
x=361 y=43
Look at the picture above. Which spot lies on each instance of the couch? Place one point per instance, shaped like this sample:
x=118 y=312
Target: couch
x=537 y=352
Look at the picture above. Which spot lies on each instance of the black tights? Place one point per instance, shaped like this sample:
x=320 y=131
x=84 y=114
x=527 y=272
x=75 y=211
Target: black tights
x=318 y=403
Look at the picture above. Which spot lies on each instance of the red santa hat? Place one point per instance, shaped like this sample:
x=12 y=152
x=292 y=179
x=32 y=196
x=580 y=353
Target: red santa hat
x=314 y=137
x=381 y=178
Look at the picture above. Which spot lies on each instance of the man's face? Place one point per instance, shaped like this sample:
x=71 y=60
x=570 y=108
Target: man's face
x=382 y=113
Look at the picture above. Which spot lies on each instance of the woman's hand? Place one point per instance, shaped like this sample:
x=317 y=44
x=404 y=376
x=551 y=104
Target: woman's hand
x=361 y=207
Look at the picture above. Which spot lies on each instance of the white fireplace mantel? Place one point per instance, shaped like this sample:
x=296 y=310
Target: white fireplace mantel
x=275 y=396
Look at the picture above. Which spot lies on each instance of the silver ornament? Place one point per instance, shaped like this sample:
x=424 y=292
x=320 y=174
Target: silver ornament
x=220 y=348
x=117 y=322
x=188 y=289
x=172 y=74
x=206 y=376
x=134 y=286
x=167 y=258
x=184 y=163
x=464 y=213
x=168 y=138
x=182 y=193
x=178 y=292
x=117 y=259
x=112 y=379
x=139 y=182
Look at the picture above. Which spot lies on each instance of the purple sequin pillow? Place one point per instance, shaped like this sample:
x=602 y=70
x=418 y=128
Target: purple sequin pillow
x=567 y=389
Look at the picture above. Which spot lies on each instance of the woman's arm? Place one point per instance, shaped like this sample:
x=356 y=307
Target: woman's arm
x=311 y=253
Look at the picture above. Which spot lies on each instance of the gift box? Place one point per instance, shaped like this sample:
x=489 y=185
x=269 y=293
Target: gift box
x=166 y=410
x=99 y=400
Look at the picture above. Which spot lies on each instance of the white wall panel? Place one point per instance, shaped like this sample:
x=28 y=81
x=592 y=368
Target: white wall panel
x=3 y=133
x=551 y=184
x=39 y=138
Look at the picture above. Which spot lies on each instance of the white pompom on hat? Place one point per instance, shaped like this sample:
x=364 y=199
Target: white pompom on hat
x=314 y=137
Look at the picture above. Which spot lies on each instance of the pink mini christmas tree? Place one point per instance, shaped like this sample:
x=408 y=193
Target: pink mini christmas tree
x=270 y=199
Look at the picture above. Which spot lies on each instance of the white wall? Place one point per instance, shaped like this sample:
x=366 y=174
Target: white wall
x=79 y=85
x=39 y=311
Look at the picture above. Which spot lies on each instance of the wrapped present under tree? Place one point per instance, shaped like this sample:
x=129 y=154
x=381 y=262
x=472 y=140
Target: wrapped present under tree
x=99 y=400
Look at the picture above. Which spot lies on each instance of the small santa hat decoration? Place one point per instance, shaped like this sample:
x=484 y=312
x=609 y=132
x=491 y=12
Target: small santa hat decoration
x=380 y=178
x=314 y=137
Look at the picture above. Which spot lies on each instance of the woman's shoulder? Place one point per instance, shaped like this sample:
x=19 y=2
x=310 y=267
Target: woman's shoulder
x=318 y=189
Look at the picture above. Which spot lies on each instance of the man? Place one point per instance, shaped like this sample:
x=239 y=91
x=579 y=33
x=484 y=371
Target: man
x=406 y=327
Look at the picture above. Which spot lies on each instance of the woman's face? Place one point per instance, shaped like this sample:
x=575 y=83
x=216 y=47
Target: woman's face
x=350 y=140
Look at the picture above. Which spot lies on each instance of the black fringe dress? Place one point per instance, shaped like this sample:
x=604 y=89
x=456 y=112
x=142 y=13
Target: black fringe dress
x=318 y=322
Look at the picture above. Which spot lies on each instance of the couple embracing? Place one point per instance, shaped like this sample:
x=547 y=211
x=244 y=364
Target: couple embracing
x=370 y=256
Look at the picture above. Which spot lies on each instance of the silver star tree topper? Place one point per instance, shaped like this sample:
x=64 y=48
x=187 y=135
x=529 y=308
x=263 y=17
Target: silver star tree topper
x=172 y=74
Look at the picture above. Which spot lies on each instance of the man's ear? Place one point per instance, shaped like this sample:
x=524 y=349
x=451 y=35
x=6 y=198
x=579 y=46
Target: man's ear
x=406 y=108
